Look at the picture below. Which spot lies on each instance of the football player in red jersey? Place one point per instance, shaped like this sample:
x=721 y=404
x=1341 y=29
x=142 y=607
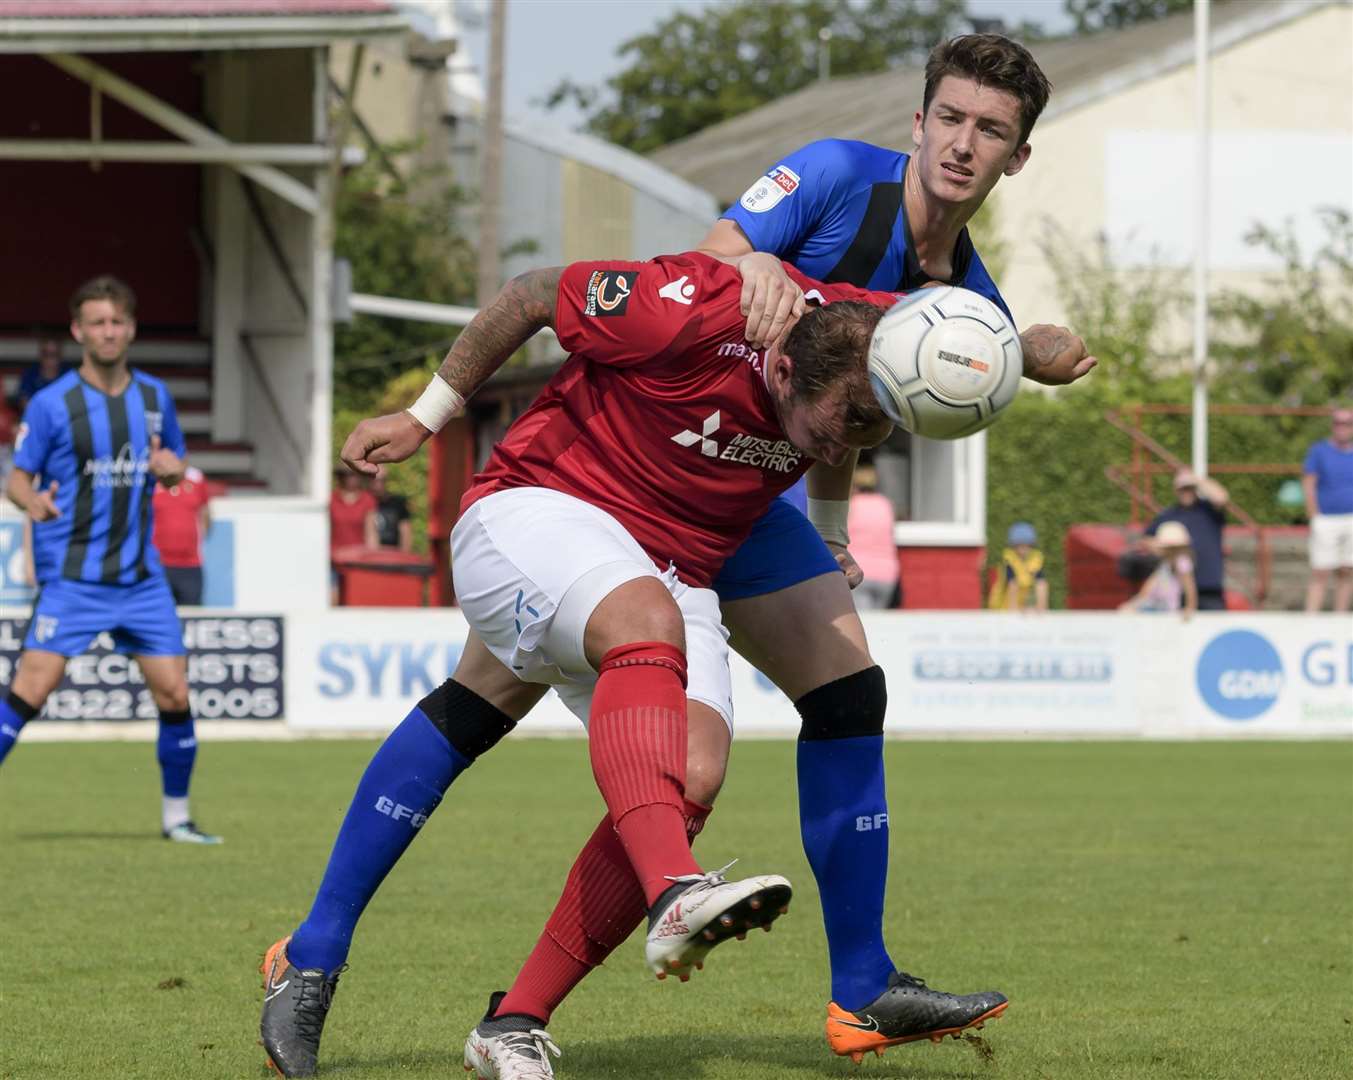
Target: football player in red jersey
x=583 y=558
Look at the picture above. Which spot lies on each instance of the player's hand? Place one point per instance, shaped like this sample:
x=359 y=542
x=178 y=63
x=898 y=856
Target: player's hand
x=165 y=465
x=42 y=505
x=847 y=563
x=381 y=440
x=1054 y=356
x=771 y=300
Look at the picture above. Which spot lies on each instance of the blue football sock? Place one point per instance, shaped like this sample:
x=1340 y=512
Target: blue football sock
x=843 y=813
x=176 y=750
x=400 y=788
x=14 y=713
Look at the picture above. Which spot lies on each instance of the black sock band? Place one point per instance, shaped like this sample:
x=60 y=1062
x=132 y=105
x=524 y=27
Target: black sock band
x=845 y=708
x=470 y=723
x=25 y=711
x=175 y=716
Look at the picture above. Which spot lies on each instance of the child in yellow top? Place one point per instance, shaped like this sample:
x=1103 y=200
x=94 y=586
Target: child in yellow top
x=1020 y=582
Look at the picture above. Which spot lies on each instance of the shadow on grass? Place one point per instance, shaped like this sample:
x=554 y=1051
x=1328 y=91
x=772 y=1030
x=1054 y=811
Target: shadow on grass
x=43 y=836
x=690 y=1057
x=438 y=1061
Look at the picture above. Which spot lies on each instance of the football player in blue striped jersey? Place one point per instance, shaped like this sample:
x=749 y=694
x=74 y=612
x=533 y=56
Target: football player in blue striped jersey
x=843 y=210
x=90 y=450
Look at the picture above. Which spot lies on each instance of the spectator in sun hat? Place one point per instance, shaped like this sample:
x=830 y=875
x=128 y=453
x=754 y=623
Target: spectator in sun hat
x=1200 y=506
x=1171 y=586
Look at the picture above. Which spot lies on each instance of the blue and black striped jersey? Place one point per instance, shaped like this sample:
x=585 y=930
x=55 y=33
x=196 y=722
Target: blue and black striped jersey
x=97 y=449
x=834 y=209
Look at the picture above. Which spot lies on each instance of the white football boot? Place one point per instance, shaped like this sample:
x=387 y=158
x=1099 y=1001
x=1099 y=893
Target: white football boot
x=684 y=927
x=509 y=1048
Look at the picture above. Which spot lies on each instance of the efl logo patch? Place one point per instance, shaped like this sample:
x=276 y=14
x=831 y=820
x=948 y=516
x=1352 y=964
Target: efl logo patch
x=608 y=292
x=767 y=192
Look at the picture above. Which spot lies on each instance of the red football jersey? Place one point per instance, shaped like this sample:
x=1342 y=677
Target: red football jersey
x=661 y=415
x=177 y=534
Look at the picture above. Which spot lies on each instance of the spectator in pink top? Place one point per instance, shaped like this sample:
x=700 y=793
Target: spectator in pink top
x=870 y=525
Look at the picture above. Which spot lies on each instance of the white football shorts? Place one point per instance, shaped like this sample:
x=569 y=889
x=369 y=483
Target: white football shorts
x=530 y=566
x=1331 y=541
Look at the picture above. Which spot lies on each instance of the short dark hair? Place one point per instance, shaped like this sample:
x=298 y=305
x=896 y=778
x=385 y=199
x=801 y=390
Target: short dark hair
x=995 y=61
x=830 y=350
x=104 y=287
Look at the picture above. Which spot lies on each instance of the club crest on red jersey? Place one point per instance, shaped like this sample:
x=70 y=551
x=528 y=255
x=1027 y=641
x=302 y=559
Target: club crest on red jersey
x=608 y=292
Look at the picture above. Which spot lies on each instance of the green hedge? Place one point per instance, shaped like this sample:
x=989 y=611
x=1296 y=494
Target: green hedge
x=1046 y=460
x=1045 y=464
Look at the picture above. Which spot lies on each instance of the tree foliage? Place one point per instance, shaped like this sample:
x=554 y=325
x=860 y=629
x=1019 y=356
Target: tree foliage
x=1289 y=342
x=398 y=245
x=1292 y=342
x=1095 y=15
x=1128 y=318
x=697 y=69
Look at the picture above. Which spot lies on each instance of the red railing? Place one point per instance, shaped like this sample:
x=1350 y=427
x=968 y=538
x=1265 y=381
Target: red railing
x=1150 y=459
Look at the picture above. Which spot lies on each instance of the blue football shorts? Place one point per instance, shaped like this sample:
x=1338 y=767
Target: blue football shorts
x=69 y=615
x=782 y=549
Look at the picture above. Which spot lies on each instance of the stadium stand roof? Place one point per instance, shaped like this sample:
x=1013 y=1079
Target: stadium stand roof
x=38 y=26
x=725 y=158
x=639 y=172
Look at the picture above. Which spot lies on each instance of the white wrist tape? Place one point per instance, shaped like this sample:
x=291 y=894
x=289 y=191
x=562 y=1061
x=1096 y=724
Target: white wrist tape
x=438 y=404
x=829 y=519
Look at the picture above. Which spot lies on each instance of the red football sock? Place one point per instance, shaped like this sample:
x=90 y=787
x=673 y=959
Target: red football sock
x=599 y=908
x=637 y=741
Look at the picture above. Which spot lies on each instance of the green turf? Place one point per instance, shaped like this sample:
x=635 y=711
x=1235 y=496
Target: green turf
x=1152 y=910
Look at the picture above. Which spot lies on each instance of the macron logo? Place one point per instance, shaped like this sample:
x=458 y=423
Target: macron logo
x=679 y=290
x=398 y=812
x=708 y=446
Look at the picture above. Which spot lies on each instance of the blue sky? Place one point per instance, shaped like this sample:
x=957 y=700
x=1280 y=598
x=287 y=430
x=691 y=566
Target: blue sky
x=548 y=40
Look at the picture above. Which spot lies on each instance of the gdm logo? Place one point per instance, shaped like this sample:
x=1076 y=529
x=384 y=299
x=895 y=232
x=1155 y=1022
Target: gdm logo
x=1240 y=675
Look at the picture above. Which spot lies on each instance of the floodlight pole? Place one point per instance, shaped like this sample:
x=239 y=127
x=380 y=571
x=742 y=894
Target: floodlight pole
x=491 y=159
x=1201 y=233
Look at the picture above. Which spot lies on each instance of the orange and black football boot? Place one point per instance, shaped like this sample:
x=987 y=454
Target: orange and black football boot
x=295 y=1006
x=908 y=1011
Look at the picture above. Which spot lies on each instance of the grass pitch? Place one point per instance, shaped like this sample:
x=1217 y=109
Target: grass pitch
x=1152 y=910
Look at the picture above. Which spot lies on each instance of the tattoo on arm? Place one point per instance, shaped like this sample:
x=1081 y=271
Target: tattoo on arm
x=523 y=306
x=1042 y=345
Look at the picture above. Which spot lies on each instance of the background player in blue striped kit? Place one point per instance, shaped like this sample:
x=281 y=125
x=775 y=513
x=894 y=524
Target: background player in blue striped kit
x=89 y=452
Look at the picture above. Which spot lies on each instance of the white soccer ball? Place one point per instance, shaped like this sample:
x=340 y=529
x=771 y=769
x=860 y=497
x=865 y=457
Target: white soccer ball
x=944 y=362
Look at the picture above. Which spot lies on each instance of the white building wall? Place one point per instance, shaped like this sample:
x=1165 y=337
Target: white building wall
x=281 y=551
x=1122 y=166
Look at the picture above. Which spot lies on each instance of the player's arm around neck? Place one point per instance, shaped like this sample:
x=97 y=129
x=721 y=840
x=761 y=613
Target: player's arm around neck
x=523 y=306
x=771 y=299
